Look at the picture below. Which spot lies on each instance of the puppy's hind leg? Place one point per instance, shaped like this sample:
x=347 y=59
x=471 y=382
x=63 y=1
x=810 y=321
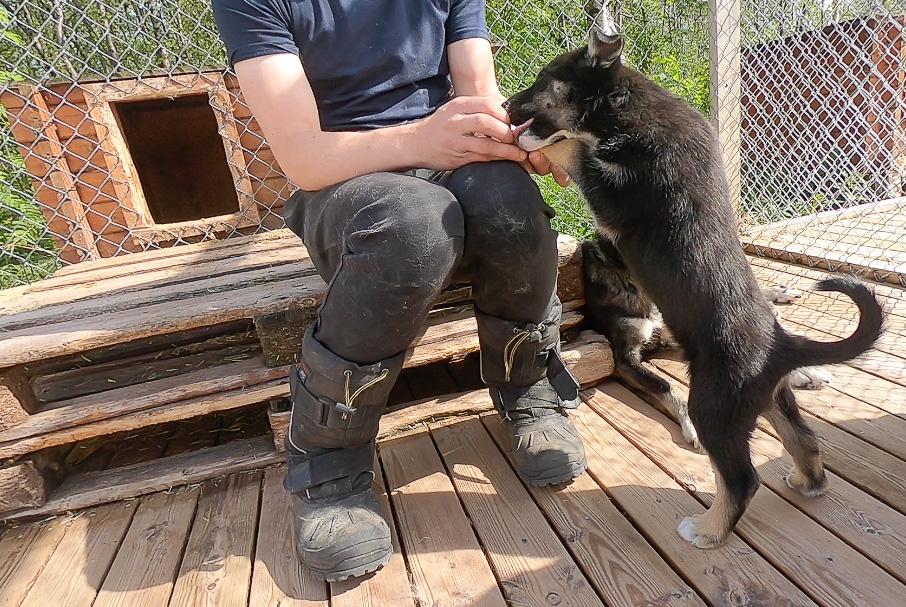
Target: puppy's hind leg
x=810 y=378
x=808 y=477
x=656 y=391
x=725 y=437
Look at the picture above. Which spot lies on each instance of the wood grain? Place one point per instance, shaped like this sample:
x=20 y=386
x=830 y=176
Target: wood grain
x=278 y=580
x=216 y=568
x=22 y=485
x=618 y=560
x=113 y=403
x=445 y=559
x=80 y=562
x=732 y=574
x=832 y=572
x=93 y=488
x=144 y=570
x=12 y=412
x=874 y=390
x=24 y=552
x=530 y=562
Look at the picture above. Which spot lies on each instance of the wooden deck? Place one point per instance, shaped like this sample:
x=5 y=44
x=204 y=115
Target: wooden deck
x=468 y=532
x=869 y=240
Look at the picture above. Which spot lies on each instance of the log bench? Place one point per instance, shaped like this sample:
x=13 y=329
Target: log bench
x=149 y=338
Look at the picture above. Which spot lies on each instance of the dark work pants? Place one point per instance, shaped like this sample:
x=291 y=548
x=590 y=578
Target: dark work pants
x=388 y=243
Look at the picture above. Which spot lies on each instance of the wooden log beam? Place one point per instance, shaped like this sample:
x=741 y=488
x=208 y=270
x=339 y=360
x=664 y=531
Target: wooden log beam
x=93 y=488
x=21 y=486
x=12 y=413
x=213 y=389
x=16 y=399
x=27 y=484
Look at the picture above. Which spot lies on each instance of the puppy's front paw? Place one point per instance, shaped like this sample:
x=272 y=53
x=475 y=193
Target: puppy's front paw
x=784 y=295
x=811 y=378
x=690 y=529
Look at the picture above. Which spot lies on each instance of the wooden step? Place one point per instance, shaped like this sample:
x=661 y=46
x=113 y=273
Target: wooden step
x=93 y=488
x=588 y=358
x=45 y=321
x=212 y=389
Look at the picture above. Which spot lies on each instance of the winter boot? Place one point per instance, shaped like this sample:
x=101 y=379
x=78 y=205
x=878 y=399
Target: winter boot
x=337 y=405
x=532 y=390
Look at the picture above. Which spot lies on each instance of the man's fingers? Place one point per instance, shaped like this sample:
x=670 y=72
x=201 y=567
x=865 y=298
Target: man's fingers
x=540 y=162
x=482 y=105
x=489 y=147
x=486 y=125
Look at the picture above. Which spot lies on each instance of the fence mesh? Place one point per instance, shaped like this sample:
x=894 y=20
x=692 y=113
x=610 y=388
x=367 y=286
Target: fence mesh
x=100 y=100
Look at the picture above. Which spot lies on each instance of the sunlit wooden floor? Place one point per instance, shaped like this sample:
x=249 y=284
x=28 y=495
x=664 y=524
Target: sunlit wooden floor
x=867 y=239
x=468 y=532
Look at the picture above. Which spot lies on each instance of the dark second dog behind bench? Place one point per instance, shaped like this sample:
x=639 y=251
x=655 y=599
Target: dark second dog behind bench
x=650 y=168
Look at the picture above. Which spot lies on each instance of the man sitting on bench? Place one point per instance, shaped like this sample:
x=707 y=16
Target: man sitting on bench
x=405 y=188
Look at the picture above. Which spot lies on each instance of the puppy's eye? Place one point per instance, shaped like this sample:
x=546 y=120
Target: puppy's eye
x=548 y=105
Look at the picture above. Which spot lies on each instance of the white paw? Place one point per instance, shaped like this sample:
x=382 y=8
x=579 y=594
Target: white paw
x=689 y=433
x=688 y=529
x=784 y=295
x=811 y=378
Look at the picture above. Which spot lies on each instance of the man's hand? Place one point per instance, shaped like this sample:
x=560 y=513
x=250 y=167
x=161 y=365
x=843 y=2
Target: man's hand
x=464 y=130
x=538 y=163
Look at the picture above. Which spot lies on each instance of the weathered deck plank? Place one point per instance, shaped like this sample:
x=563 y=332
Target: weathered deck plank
x=528 y=557
x=445 y=558
x=24 y=552
x=619 y=562
x=277 y=578
x=729 y=575
x=75 y=571
x=216 y=568
x=876 y=391
x=832 y=572
x=144 y=570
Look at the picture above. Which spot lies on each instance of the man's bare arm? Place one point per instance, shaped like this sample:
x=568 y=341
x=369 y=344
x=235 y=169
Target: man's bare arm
x=282 y=101
x=472 y=68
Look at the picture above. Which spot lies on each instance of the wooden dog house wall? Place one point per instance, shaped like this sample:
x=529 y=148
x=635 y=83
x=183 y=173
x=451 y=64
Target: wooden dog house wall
x=133 y=164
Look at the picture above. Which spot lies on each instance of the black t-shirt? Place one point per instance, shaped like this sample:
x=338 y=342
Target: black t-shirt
x=371 y=63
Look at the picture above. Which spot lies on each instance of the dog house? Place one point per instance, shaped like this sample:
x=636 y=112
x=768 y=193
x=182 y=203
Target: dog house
x=126 y=165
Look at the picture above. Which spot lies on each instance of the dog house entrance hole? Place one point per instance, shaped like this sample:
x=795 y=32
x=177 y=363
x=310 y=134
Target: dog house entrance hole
x=178 y=155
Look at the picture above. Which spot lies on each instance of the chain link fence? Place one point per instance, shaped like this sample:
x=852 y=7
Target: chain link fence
x=121 y=131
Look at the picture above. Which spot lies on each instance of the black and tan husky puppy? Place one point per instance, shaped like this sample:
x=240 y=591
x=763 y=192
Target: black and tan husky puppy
x=619 y=310
x=650 y=168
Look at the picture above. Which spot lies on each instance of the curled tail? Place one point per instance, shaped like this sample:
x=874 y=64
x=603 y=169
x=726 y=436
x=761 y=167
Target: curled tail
x=804 y=352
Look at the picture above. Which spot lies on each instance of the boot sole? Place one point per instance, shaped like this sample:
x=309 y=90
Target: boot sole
x=575 y=471
x=341 y=575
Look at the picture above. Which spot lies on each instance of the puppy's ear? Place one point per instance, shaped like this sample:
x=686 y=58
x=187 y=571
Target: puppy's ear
x=605 y=43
